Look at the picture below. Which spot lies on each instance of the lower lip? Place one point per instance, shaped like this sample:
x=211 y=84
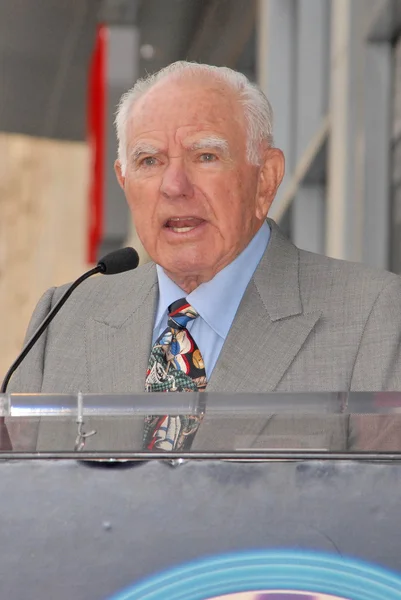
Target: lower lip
x=185 y=235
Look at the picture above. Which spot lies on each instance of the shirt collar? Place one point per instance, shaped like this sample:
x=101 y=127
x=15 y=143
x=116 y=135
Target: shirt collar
x=169 y=292
x=217 y=300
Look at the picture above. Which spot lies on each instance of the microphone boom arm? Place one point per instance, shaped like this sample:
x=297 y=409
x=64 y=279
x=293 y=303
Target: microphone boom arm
x=32 y=341
x=113 y=263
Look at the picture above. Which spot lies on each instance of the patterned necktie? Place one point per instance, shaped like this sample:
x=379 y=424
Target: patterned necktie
x=175 y=365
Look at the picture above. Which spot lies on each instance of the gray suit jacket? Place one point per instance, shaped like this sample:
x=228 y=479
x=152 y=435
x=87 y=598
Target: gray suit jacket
x=306 y=323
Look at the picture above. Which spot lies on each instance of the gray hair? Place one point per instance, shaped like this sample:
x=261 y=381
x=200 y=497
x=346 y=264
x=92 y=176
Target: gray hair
x=257 y=109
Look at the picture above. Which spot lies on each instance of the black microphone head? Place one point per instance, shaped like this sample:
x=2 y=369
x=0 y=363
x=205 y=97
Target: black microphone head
x=119 y=261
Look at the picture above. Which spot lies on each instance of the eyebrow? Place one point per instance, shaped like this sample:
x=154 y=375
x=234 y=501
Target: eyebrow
x=211 y=142
x=142 y=148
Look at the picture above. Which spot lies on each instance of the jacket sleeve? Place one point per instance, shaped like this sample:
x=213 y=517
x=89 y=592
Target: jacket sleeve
x=378 y=361
x=28 y=377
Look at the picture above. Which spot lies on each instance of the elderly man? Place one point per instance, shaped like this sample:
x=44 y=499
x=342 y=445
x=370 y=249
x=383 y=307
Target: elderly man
x=227 y=303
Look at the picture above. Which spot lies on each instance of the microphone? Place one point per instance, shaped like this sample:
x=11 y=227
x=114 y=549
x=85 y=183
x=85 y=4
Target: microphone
x=115 y=262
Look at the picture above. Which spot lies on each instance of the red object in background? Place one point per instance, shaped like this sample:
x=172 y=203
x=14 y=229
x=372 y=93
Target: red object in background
x=96 y=120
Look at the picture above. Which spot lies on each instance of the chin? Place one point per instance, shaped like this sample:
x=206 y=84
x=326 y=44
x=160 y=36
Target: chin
x=184 y=266
x=185 y=256
x=186 y=269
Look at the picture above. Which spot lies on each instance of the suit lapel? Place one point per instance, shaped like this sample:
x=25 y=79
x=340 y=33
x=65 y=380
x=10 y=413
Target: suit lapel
x=270 y=326
x=119 y=338
x=268 y=331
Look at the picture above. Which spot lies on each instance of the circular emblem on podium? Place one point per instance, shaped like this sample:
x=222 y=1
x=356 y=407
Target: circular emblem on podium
x=269 y=575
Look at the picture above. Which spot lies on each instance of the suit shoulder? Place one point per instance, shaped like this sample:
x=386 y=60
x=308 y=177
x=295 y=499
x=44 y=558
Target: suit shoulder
x=323 y=280
x=343 y=270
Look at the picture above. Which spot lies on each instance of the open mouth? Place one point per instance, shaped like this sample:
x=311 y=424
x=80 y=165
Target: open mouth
x=183 y=224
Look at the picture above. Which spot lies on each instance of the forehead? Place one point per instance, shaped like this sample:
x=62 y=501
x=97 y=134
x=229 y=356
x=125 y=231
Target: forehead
x=184 y=107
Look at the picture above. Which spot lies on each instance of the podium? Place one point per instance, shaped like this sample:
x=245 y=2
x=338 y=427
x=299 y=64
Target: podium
x=280 y=497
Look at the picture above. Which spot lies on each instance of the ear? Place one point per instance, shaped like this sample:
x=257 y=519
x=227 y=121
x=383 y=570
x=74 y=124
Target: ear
x=271 y=174
x=119 y=173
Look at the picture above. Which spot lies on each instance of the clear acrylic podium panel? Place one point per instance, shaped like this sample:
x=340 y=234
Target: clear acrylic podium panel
x=237 y=426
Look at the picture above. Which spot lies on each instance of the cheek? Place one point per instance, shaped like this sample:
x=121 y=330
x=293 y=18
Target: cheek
x=141 y=200
x=222 y=194
x=234 y=207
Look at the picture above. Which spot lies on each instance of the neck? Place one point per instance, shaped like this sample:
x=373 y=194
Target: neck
x=189 y=283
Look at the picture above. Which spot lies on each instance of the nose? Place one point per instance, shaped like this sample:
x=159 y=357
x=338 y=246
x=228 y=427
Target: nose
x=175 y=182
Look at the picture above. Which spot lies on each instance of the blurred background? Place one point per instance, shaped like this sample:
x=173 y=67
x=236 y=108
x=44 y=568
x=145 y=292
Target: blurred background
x=331 y=69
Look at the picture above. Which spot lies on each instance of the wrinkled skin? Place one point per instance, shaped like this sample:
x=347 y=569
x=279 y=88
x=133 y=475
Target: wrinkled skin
x=196 y=202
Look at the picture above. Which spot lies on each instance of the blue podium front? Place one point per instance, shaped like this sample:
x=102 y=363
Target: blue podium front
x=285 y=521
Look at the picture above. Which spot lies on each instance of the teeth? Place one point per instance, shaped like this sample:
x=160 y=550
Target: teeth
x=182 y=229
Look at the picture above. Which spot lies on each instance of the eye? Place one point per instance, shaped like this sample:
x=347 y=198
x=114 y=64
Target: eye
x=148 y=161
x=207 y=157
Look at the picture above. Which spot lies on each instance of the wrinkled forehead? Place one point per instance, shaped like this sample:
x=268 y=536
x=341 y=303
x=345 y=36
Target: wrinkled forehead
x=194 y=101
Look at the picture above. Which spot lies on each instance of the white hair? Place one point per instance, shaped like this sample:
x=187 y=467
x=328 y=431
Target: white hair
x=257 y=109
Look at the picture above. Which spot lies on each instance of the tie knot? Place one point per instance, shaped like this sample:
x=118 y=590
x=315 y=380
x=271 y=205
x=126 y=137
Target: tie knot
x=180 y=313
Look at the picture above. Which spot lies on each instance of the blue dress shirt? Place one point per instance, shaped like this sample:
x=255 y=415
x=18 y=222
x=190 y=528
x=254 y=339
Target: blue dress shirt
x=216 y=300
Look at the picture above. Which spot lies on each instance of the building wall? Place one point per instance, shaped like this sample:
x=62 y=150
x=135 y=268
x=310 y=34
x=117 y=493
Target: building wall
x=43 y=224
x=396 y=162
x=327 y=66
